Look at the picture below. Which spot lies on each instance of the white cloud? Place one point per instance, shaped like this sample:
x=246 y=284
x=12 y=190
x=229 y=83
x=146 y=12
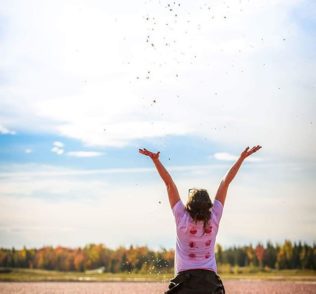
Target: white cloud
x=224 y=156
x=39 y=171
x=120 y=134
x=58 y=144
x=28 y=150
x=84 y=153
x=57 y=198
x=6 y=131
x=58 y=148
x=234 y=85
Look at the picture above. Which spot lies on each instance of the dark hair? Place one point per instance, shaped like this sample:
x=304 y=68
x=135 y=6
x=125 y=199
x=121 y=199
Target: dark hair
x=199 y=205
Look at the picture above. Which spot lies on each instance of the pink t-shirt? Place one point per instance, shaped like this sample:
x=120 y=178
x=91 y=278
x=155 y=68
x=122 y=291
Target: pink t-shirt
x=193 y=249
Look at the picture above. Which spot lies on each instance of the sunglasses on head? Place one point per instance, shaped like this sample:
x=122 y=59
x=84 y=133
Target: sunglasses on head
x=195 y=189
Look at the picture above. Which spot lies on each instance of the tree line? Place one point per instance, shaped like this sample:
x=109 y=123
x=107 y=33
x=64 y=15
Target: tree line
x=141 y=259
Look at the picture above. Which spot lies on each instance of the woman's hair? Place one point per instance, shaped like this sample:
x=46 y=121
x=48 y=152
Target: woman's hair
x=199 y=205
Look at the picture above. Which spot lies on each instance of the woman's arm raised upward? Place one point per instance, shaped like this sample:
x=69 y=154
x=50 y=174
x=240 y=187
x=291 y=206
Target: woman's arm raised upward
x=172 y=190
x=227 y=179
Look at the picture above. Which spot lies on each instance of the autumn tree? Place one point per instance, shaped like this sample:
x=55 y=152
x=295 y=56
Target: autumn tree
x=260 y=254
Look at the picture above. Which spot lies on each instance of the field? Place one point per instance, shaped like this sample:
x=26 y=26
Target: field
x=36 y=275
x=232 y=287
x=41 y=281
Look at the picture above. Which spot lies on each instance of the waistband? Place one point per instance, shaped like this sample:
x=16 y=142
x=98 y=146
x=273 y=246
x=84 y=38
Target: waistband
x=197 y=270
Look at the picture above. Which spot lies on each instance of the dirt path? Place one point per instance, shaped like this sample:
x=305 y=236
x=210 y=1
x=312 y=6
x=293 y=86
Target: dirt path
x=232 y=287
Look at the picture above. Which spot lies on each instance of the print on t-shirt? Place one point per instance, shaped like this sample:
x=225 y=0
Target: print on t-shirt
x=195 y=244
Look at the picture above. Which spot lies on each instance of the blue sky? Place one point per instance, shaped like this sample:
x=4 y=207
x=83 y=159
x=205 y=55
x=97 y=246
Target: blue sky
x=84 y=84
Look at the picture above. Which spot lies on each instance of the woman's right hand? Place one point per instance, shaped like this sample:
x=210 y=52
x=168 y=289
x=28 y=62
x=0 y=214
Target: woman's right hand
x=152 y=155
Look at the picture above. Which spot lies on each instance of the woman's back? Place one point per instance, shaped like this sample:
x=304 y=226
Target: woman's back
x=195 y=244
x=195 y=263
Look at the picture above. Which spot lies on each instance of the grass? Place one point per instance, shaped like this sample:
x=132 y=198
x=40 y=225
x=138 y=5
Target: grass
x=35 y=275
x=237 y=272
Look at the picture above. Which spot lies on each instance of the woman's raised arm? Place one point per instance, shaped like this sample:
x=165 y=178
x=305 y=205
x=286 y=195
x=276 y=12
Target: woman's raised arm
x=227 y=179
x=172 y=190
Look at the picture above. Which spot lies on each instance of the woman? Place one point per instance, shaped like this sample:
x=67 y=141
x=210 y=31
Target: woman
x=197 y=225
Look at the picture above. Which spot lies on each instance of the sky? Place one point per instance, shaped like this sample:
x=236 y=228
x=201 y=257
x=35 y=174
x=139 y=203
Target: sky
x=85 y=84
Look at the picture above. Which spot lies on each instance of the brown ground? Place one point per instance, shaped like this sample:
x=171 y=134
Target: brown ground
x=232 y=287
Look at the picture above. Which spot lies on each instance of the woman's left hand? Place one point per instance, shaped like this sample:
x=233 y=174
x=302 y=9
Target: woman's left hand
x=248 y=152
x=152 y=155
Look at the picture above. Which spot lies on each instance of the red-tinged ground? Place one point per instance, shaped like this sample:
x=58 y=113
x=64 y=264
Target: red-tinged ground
x=232 y=287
